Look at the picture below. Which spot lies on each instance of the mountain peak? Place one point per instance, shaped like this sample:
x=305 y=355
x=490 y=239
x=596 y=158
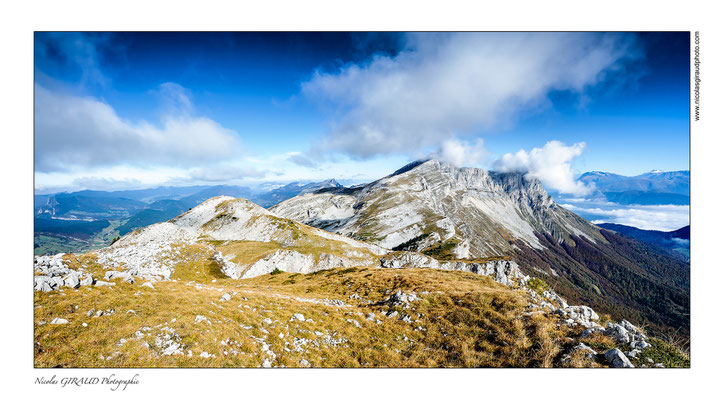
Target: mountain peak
x=409 y=167
x=432 y=201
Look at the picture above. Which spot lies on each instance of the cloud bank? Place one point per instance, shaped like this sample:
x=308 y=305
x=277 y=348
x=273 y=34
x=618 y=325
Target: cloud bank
x=461 y=153
x=445 y=85
x=551 y=164
x=658 y=217
x=74 y=132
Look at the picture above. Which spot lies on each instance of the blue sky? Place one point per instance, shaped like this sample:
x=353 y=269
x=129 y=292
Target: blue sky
x=126 y=110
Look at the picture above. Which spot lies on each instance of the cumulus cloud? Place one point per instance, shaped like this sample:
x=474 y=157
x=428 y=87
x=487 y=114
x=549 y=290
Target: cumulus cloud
x=658 y=217
x=461 y=153
x=551 y=164
x=82 y=132
x=455 y=84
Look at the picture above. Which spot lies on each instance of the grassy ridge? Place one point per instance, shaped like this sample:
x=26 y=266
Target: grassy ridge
x=468 y=320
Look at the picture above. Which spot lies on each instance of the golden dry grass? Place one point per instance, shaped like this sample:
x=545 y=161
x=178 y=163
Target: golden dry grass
x=467 y=321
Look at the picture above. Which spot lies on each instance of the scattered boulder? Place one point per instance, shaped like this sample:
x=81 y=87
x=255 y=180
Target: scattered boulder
x=297 y=317
x=72 y=280
x=225 y=297
x=126 y=276
x=44 y=283
x=579 y=315
x=633 y=353
x=639 y=344
x=51 y=265
x=58 y=321
x=58 y=281
x=584 y=347
x=617 y=359
x=148 y=285
x=87 y=280
x=400 y=299
x=617 y=332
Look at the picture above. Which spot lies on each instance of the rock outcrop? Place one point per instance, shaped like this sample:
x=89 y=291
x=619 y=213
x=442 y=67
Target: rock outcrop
x=53 y=273
x=502 y=271
x=617 y=359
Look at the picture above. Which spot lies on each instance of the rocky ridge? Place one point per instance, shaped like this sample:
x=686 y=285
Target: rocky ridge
x=480 y=212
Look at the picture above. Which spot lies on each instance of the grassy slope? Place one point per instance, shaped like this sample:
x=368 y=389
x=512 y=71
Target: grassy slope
x=469 y=320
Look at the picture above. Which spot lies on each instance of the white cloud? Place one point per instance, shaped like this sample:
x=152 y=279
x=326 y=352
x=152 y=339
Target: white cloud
x=461 y=153
x=658 y=217
x=175 y=98
x=105 y=177
x=102 y=183
x=551 y=164
x=225 y=173
x=455 y=84
x=74 y=132
x=302 y=160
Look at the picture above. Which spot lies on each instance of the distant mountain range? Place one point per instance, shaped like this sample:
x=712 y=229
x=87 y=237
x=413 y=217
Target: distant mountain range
x=651 y=188
x=652 y=182
x=293 y=189
x=676 y=241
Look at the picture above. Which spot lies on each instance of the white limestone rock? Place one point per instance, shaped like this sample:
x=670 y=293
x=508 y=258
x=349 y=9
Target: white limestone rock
x=617 y=359
x=502 y=271
x=72 y=280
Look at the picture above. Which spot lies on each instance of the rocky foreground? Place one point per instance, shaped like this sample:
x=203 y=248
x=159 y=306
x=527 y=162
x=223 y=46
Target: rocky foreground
x=90 y=313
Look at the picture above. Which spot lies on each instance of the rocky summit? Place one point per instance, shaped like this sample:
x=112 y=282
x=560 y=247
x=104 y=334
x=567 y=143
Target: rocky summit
x=424 y=268
x=474 y=213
